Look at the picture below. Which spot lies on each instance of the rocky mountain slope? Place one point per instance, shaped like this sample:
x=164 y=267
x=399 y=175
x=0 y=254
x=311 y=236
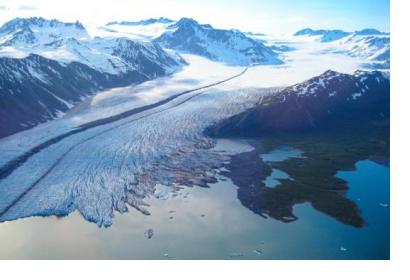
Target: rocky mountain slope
x=47 y=66
x=331 y=99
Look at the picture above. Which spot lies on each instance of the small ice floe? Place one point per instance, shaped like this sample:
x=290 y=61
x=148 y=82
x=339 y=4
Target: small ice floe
x=258 y=252
x=235 y=255
x=288 y=218
x=166 y=255
x=384 y=205
x=343 y=249
x=262 y=242
x=149 y=233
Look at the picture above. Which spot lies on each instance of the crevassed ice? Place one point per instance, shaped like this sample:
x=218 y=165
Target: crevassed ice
x=112 y=167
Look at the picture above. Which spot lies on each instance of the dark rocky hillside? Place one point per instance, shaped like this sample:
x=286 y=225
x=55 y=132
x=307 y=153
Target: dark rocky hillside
x=331 y=99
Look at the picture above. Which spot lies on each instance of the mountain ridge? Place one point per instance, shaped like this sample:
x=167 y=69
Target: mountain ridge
x=142 y=22
x=53 y=54
x=326 y=101
x=228 y=46
x=330 y=35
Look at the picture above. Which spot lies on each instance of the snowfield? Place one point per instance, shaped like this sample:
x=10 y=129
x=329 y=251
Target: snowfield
x=105 y=169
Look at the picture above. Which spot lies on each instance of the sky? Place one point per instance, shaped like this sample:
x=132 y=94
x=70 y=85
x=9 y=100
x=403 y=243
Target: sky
x=268 y=16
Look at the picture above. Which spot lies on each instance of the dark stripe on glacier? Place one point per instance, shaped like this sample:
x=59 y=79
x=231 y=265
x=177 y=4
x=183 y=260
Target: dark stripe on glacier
x=7 y=169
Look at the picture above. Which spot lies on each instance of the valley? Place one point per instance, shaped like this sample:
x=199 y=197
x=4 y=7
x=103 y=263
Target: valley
x=121 y=121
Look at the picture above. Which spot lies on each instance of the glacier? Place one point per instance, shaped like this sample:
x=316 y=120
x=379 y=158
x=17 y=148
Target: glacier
x=108 y=167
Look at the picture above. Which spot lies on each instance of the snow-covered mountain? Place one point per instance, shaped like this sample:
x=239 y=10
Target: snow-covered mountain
x=70 y=42
x=110 y=55
x=144 y=30
x=228 y=46
x=368 y=44
x=324 y=35
x=38 y=31
x=374 y=48
x=370 y=31
x=142 y=22
x=328 y=100
x=35 y=89
x=38 y=57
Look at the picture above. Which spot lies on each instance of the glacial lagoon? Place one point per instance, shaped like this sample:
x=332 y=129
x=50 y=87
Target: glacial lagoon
x=211 y=223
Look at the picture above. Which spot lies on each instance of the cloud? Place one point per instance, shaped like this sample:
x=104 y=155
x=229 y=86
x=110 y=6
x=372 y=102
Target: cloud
x=26 y=8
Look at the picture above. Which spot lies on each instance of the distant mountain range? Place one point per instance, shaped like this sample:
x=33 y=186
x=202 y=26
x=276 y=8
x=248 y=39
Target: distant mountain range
x=368 y=43
x=329 y=100
x=188 y=36
x=229 y=46
x=374 y=48
x=325 y=35
x=70 y=42
x=142 y=22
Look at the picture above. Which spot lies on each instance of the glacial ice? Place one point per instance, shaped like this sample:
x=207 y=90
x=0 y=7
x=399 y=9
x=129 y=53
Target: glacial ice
x=109 y=168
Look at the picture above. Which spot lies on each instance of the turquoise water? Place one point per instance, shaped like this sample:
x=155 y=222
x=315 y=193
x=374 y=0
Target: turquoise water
x=369 y=186
x=277 y=155
x=273 y=179
x=282 y=153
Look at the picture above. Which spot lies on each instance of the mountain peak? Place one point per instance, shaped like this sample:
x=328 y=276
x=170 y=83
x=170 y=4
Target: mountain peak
x=186 y=22
x=304 y=31
x=189 y=23
x=330 y=73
